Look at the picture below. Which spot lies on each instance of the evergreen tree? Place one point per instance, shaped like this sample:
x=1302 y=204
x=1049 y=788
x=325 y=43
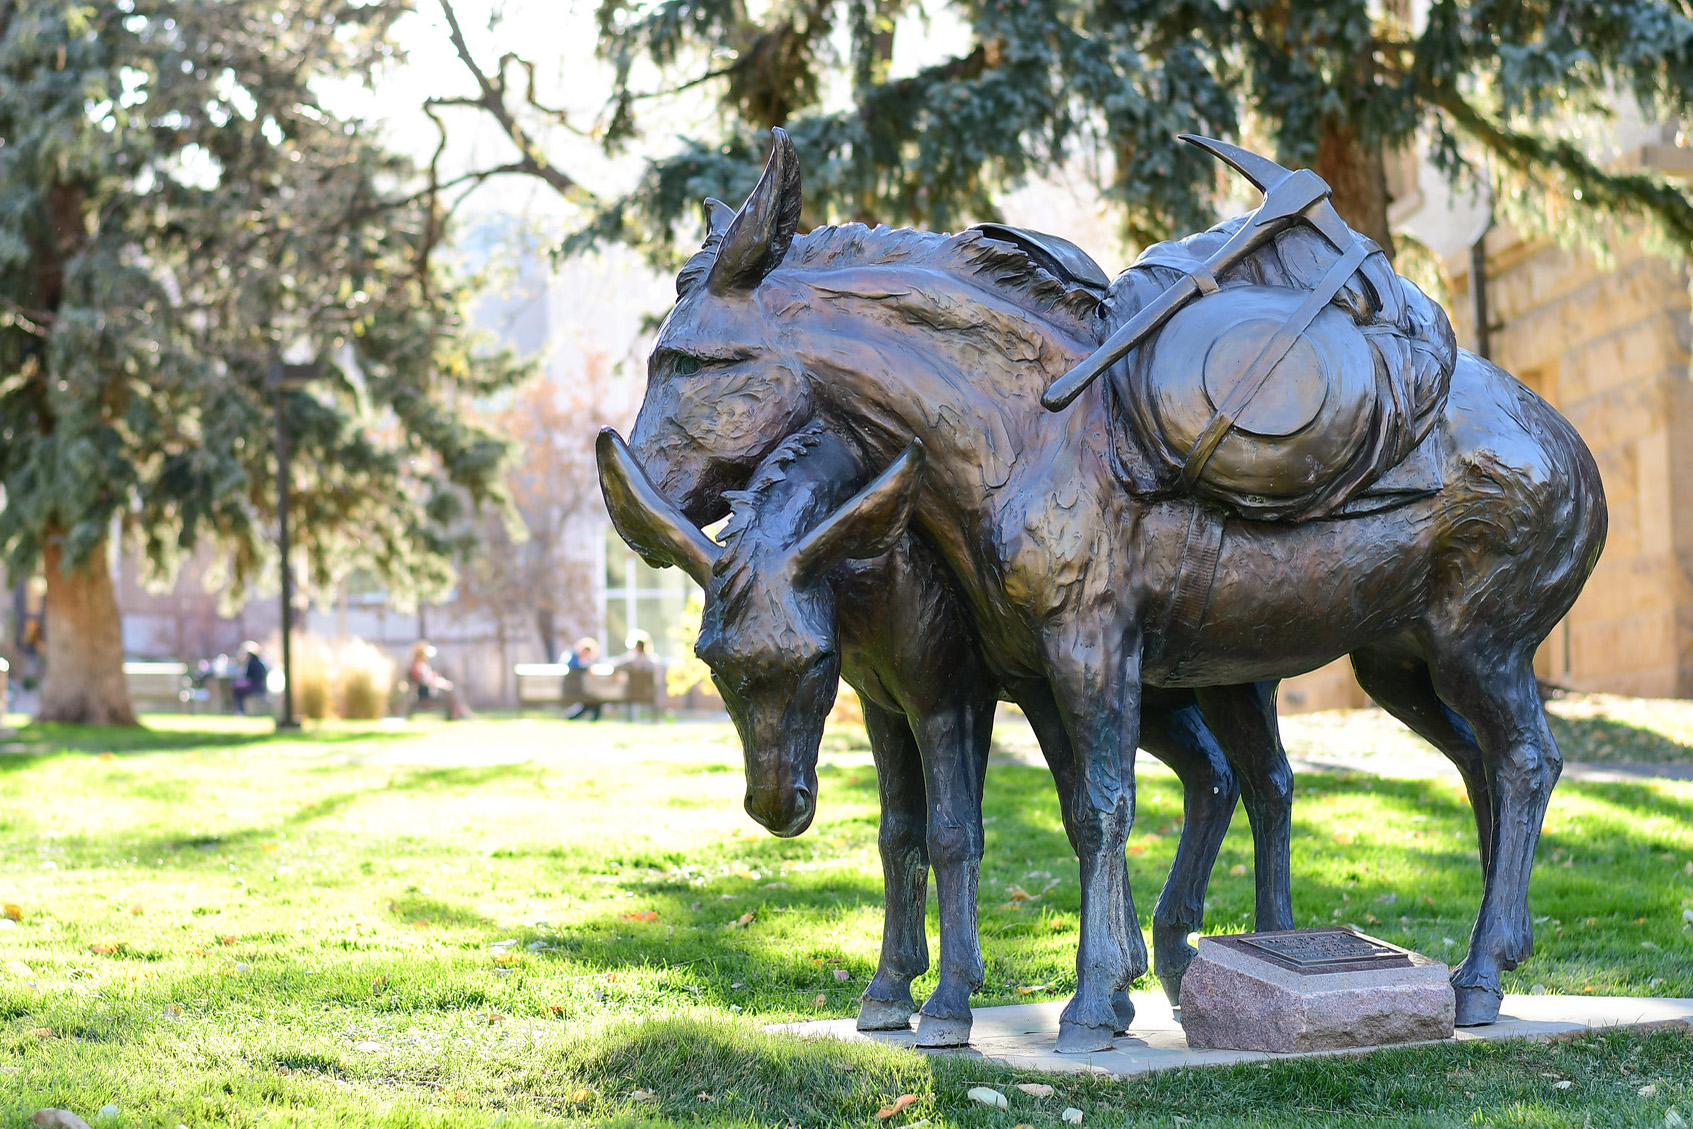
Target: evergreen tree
x=1337 y=85
x=180 y=205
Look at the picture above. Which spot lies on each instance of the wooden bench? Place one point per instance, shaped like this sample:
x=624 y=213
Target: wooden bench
x=556 y=685
x=158 y=684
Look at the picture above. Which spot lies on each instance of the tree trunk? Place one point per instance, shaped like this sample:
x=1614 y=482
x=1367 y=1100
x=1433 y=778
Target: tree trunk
x=84 y=682
x=1358 y=175
x=546 y=626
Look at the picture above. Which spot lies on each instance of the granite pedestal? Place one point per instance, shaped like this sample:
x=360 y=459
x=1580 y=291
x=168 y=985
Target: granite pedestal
x=1312 y=990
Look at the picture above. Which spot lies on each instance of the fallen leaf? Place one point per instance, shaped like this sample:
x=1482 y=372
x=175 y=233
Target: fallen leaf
x=842 y=975
x=1238 y=870
x=556 y=1009
x=988 y=1096
x=702 y=1096
x=1035 y=1089
x=1072 y=1115
x=642 y=915
x=107 y=757
x=1030 y=989
x=106 y=948
x=642 y=1096
x=899 y=1103
x=744 y=919
x=137 y=909
x=819 y=1000
x=15 y=912
x=43 y=1032
x=57 y=1119
x=1648 y=1091
x=580 y=1096
x=268 y=848
x=1018 y=894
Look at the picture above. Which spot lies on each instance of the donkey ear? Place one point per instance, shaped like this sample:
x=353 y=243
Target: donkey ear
x=764 y=227
x=652 y=526
x=871 y=523
x=718 y=217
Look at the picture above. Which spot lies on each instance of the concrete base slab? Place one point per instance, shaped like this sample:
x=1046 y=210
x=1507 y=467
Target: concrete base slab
x=1023 y=1035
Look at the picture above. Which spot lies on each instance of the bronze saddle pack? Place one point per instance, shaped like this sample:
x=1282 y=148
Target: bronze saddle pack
x=1298 y=378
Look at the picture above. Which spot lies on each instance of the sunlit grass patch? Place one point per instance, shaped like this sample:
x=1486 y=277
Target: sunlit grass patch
x=436 y=925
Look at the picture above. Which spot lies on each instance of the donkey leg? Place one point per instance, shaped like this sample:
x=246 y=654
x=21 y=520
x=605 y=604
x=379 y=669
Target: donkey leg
x=1095 y=676
x=1244 y=720
x=1178 y=736
x=1400 y=682
x=1496 y=693
x=902 y=838
x=1044 y=719
x=955 y=745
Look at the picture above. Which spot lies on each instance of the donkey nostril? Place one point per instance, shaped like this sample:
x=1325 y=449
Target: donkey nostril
x=752 y=809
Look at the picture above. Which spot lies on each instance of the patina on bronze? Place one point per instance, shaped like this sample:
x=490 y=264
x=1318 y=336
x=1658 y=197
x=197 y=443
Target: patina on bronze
x=816 y=577
x=1069 y=577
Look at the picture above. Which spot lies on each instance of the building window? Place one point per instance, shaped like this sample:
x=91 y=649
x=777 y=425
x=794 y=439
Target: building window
x=641 y=598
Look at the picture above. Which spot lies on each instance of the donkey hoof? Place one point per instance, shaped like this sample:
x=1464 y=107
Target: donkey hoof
x=936 y=1031
x=1124 y=1006
x=1075 y=1039
x=884 y=1015
x=1477 y=1005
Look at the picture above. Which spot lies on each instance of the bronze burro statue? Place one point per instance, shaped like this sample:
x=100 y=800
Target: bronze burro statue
x=1105 y=536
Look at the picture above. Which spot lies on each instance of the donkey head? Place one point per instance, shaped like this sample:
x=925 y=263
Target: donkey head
x=768 y=633
x=722 y=387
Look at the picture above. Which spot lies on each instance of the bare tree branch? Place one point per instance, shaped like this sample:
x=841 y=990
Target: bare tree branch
x=492 y=100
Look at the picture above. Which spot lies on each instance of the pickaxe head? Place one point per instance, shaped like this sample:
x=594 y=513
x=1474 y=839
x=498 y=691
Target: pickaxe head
x=1286 y=192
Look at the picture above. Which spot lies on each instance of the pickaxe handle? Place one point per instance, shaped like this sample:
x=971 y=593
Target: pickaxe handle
x=1161 y=309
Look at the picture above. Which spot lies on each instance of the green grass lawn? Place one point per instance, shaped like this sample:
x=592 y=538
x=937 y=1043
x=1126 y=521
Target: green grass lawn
x=534 y=920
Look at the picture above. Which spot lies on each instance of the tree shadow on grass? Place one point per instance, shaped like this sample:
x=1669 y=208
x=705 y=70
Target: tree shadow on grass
x=1597 y=740
x=41 y=741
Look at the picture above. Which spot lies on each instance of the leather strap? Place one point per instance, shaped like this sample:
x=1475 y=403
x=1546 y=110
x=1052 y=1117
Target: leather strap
x=1252 y=381
x=1197 y=573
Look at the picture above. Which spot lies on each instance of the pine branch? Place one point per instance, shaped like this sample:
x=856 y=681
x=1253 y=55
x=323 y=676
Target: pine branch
x=1636 y=192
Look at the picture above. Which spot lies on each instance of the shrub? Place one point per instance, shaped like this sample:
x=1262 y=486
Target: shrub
x=364 y=678
x=314 y=674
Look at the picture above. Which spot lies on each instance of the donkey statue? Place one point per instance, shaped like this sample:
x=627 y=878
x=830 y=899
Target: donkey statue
x=1070 y=580
x=814 y=582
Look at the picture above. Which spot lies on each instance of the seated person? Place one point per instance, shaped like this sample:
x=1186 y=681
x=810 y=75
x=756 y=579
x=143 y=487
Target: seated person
x=253 y=680
x=587 y=652
x=430 y=687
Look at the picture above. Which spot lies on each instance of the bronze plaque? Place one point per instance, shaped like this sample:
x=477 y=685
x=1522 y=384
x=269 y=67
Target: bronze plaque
x=1322 y=950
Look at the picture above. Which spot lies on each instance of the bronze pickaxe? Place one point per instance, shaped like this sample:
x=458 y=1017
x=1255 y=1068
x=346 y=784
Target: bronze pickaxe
x=1288 y=196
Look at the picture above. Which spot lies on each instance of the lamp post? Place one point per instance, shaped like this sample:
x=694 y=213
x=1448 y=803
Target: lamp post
x=286 y=378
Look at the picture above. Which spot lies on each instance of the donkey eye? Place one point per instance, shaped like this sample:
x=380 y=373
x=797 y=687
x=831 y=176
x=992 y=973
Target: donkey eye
x=686 y=366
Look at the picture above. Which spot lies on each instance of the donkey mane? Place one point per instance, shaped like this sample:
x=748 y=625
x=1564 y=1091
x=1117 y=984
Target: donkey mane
x=772 y=470
x=1001 y=267
x=1005 y=269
